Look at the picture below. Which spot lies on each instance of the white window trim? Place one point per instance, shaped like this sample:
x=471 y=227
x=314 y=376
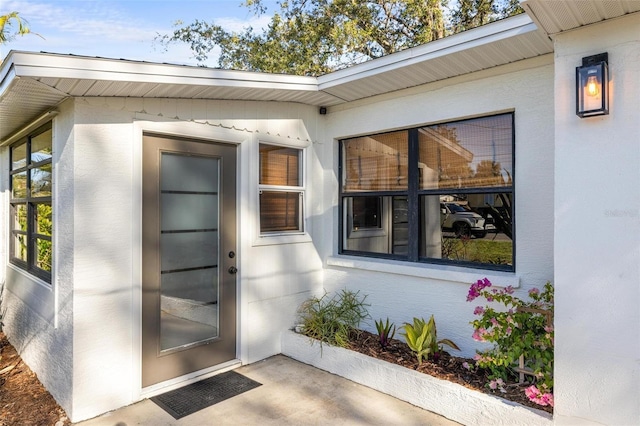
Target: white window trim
x=452 y=273
x=273 y=238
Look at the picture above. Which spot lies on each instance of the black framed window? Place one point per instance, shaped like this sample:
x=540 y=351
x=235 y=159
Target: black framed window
x=439 y=194
x=31 y=225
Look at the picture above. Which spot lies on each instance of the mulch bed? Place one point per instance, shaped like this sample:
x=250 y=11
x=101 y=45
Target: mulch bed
x=23 y=399
x=25 y=402
x=444 y=367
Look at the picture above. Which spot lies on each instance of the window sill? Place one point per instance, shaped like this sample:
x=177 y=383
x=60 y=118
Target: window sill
x=30 y=276
x=367 y=233
x=283 y=238
x=34 y=292
x=422 y=270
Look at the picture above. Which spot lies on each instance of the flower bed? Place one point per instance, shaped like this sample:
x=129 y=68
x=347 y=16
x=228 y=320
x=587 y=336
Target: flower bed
x=448 y=399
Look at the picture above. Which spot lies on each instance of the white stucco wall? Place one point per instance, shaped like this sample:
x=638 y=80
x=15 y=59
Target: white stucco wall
x=577 y=211
x=402 y=290
x=273 y=279
x=38 y=316
x=597 y=224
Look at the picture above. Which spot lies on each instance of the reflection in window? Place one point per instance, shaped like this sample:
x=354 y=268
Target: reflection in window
x=366 y=212
x=467 y=228
x=453 y=204
x=41 y=181
x=31 y=210
x=468 y=154
x=41 y=147
x=19 y=185
x=376 y=163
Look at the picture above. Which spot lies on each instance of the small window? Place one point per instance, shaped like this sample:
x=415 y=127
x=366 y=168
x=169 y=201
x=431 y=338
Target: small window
x=367 y=212
x=281 y=189
x=31 y=210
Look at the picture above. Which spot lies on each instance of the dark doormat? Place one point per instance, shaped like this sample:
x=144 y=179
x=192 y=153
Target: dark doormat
x=205 y=393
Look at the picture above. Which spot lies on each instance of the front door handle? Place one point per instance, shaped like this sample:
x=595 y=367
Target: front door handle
x=232 y=270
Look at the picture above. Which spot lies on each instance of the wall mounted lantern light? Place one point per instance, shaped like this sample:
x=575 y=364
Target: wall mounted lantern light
x=592 y=78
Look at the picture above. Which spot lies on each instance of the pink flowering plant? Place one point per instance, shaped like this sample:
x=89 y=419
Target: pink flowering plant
x=515 y=327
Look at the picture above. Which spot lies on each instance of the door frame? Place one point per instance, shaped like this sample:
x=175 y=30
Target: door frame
x=147 y=124
x=161 y=365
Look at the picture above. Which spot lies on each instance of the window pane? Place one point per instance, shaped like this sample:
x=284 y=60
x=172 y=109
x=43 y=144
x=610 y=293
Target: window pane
x=43 y=254
x=192 y=174
x=189 y=250
x=41 y=147
x=471 y=228
x=19 y=215
x=390 y=233
x=279 y=165
x=19 y=185
x=43 y=220
x=41 y=181
x=189 y=212
x=18 y=156
x=280 y=211
x=467 y=154
x=376 y=163
x=400 y=226
x=366 y=212
x=20 y=247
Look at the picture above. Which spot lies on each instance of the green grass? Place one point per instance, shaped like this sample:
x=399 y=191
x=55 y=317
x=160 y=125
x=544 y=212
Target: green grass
x=478 y=250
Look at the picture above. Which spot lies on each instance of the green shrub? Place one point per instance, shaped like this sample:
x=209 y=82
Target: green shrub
x=517 y=328
x=333 y=320
x=422 y=338
x=386 y=331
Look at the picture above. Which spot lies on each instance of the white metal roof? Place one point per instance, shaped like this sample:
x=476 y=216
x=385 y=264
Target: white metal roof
x=555 y=16
x=34 y=83
x=499 y=43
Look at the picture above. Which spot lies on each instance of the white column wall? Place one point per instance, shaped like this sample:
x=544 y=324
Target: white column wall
x=402 y=290
x=597 y=233
x=272 y=279
x=102 y=280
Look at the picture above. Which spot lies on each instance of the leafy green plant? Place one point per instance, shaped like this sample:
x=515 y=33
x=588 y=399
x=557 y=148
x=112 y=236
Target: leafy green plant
x=422 y=338
x=386 y=331
x=518 y=328
x=333 y=320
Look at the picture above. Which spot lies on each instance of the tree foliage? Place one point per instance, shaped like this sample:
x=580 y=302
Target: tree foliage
x=313 y=37
x=474 y=13
x=6 y=27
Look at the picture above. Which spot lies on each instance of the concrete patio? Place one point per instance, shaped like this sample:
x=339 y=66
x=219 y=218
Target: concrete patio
x=292 y=393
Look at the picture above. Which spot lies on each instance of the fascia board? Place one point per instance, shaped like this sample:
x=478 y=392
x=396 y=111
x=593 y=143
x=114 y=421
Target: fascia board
x=526 y=5
x=37 y=65
x=7 y=73
x=7 y=80
x=497 y=31
x=28 y=128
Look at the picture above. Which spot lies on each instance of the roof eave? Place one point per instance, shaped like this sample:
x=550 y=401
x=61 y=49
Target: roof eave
x=44 y=65
x=490 y=33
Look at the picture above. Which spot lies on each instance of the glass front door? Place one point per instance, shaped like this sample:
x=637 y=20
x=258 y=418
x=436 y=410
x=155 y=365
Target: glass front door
x=188 y=257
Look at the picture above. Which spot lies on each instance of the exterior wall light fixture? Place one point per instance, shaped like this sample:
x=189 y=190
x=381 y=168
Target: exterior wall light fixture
x=592 y=78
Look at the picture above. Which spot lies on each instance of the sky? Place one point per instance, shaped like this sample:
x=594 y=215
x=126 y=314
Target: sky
x=122 y=28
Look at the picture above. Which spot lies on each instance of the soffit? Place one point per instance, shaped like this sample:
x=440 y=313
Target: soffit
x=555 y=16
x=32 y=83
x=500 y=43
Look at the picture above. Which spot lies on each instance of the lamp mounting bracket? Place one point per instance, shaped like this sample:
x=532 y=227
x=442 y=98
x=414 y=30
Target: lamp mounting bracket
x=600 y=57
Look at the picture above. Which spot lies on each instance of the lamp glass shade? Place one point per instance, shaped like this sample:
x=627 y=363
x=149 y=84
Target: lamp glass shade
x=591 y=90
